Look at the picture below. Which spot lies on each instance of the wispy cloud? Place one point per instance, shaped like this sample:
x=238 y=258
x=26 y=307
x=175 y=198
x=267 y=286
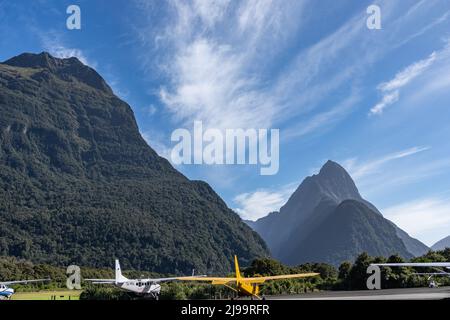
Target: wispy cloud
x=426 y=28
x=391 y=89
x=388 y=180
x=408 y=74
x=259 y=203
x=62 y=52
x=156 y=141
x=53 y=43
x=211 y=85
x=219 y=77
x=427 y=219
x=213 y=74
x=324 y=119
x=216 y=71
x=387 y=100
x=359 y=170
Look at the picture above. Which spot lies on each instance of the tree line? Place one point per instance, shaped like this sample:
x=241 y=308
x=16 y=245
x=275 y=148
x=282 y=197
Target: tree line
x=349 y=276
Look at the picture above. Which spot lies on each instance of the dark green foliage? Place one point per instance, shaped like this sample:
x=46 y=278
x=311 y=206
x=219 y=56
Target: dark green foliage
x=12 y=269
x=354 y=277
x=78 y=184
x=105 y=293
x=266 y=267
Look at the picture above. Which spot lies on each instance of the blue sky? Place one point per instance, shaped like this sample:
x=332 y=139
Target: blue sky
x=376 y=101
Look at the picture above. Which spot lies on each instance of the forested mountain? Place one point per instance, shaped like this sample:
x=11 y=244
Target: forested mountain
x=78 y=183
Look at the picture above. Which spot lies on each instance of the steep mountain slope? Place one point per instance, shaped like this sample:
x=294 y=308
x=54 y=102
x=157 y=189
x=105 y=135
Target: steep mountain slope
x=78 y=184
x=345 y=232
x=313 y=204
x=442 y=244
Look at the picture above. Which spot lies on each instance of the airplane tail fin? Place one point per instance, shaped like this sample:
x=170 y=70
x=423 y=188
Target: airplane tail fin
x=119 y=276
x=236 y=265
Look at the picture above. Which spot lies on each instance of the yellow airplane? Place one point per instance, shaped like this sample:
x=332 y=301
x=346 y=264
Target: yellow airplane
x=246 y=286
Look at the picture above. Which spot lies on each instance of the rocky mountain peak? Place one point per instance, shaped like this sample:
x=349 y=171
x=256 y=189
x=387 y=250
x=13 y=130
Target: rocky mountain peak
x=64 y=68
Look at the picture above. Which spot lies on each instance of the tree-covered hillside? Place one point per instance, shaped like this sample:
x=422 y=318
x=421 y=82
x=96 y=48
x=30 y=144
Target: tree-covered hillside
x=78 y=184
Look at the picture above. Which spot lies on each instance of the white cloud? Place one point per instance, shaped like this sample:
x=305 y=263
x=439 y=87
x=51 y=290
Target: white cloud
x=407 y=75
x=387 y=100
x=215 y=77
x=253 y=15
x=213 y=73
x=154 y=140
x=210 y=85
x=391 y=88
x=259 y=203
x=425 y=29
x=324 y=119
x=363 y=169
x=150 y=110
x=62 y=52
x=388 y=180
x=52 y=42
x=211 y=12
x=427 y=219
x=216 y=55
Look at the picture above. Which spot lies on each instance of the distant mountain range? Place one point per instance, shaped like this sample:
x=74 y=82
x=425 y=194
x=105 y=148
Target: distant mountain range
x=327 y=220
x=78 y=183
x=441 y=245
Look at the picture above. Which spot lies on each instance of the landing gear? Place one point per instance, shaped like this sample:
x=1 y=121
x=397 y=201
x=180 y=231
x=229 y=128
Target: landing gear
x=154 y=295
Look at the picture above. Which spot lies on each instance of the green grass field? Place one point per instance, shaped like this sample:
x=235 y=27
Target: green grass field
x=48 y=295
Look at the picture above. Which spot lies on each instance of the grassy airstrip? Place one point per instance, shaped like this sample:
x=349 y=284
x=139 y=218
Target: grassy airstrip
x=47 y=295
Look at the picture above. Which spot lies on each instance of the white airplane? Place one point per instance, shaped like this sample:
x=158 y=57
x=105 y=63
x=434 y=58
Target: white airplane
x=443 y=266
x=144 y=287
x=6 y=292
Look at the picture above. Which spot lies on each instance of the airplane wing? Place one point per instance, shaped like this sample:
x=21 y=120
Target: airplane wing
x=286 y=276
x=415 y=264
x=156 y=280
x=213 y=280
x=432 y=274
x=8 y=283
x=219 y=280
x=101 y=281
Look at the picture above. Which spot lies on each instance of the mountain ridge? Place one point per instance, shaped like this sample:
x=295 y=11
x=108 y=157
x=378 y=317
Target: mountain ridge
x=312 y=202
x=62 y=67
x=441 y=244
x=369 y=231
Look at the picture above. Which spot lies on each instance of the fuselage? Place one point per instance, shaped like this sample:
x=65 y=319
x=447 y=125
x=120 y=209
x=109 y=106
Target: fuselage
x=143 y=286
x=246 y=289
x=6 y=292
